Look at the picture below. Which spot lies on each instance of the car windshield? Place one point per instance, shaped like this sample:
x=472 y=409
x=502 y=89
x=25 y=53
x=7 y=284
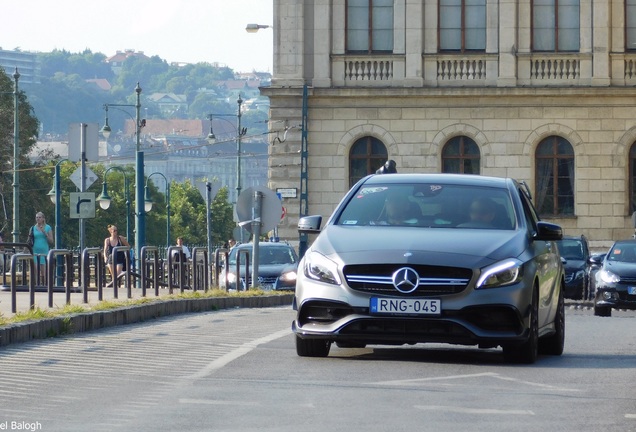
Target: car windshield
x=430 y=205
x=266 y=255
x=571 y=249
x=623 y=253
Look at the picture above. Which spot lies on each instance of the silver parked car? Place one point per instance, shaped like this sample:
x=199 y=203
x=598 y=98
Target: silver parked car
x=411 y=258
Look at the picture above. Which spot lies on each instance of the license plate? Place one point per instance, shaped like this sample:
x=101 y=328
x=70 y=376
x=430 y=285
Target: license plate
x=266 y=287
x=381 y=305
x=631 y=290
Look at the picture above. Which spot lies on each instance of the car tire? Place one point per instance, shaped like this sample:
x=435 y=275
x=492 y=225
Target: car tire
x=602 y=311
x=528 y=351
x=553 y=344
x=312 y=347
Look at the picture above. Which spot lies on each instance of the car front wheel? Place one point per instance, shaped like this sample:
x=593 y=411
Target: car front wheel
x=312 y=347
x=553 y=344
x=528 y=351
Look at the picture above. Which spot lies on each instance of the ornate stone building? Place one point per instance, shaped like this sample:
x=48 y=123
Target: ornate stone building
x=541 y=91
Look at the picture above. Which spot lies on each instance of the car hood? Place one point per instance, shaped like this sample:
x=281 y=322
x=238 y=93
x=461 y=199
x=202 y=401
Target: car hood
x=471 y=248
x=620 y=268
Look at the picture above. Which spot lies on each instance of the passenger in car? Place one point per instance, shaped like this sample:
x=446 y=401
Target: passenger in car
x=482 y=214
x=399 y=210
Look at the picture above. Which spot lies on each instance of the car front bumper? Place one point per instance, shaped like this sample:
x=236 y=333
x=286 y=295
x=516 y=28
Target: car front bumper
x=617 y=298
x=488 y=318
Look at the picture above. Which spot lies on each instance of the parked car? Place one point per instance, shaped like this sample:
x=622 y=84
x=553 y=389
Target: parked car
x=616 y=279
x=595 y=264
x=448 y=271
x=575 y=253
x=277 y=265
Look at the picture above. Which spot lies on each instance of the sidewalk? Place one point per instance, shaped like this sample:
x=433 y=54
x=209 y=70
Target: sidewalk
x=77 y=298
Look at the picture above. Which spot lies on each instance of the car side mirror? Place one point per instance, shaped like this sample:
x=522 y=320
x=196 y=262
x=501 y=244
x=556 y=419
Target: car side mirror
x=309 y=224
x=548 y=231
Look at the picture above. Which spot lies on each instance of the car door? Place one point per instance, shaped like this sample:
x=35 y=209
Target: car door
x=547 y=261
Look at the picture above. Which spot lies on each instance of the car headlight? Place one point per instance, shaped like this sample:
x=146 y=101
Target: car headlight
x=500 y=274
x=608 y=277
x=231 y=278
x=579 y=274
x=318 y=267
x=289 y=276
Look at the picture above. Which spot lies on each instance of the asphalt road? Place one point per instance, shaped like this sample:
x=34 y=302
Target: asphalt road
x=237 y=370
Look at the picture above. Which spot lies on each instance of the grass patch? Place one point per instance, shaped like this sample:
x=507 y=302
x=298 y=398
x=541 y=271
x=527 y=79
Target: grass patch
x=38 y=314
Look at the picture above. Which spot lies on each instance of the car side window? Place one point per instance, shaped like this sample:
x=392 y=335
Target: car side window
x=529 y=213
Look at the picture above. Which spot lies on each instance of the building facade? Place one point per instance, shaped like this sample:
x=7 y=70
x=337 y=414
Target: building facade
x=541 y=91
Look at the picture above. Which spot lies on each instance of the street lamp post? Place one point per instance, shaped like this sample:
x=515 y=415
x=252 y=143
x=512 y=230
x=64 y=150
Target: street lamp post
x=140 y=216
x=148 y=204
x=104 y=199
x=55 y=195
x=16 y=160
x=240 y=132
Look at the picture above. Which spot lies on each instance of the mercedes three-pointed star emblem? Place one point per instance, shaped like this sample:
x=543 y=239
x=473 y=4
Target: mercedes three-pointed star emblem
x=406 y=280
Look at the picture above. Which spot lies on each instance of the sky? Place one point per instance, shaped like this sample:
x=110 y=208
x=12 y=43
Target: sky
x=189 y=31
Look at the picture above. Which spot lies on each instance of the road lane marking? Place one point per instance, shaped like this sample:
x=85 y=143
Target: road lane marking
x=630 y=416
x=217 y=402
x=479 y=375
x=238 y=352
x=461 y=410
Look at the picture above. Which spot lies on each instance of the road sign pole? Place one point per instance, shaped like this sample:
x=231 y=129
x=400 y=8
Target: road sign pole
x=82 y=226
x=256 y=230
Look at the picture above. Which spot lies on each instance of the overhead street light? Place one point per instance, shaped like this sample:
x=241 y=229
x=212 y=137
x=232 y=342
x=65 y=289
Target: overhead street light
x=104 y=199
x=253 y=28
x=240 y=133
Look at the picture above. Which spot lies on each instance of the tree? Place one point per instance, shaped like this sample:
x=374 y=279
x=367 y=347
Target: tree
x=221 y=217
x=30 y=176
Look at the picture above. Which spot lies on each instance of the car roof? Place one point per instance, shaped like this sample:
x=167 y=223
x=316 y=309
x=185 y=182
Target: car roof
x=476 y=180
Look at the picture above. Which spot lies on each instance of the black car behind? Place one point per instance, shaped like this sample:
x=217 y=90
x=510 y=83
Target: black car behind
x=575 y=253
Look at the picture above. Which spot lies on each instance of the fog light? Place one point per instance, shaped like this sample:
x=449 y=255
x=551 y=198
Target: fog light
x=607 y=295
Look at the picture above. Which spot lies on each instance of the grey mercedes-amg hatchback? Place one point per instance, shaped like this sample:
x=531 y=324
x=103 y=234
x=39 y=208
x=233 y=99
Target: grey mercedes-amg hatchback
x=415 y=258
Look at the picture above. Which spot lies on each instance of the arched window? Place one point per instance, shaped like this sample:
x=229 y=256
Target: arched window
x=462 y=25
x=555 y=177
x=369 y=26
x=461 y=155
x=556 y=25
x=365 y=157
x=632 y=178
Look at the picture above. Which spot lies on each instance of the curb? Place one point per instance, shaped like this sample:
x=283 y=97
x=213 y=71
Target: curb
x=93 y=320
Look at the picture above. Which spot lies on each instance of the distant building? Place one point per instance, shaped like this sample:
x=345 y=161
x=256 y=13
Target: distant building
x=26 y=62
x=116 y=61
x=170 y=104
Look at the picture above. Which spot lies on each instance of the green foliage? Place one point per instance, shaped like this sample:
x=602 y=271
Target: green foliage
x=28 y=126
x=221 y=217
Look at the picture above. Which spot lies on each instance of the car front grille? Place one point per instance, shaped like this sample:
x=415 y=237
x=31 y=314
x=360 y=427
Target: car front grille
x=262 y=280
x=378 y=279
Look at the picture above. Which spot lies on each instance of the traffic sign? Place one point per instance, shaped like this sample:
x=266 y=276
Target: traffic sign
x=270 y=208
x=76 y=177
x=82 y=205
